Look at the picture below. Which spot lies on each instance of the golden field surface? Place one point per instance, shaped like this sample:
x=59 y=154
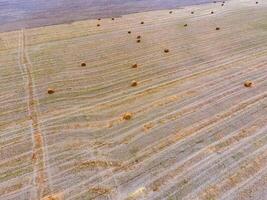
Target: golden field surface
x=89 y=112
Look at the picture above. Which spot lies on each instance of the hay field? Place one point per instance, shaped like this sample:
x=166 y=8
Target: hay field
x=88 y=112
x=16 y=14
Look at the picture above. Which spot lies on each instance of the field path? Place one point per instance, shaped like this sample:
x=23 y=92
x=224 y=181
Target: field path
x=38 y=154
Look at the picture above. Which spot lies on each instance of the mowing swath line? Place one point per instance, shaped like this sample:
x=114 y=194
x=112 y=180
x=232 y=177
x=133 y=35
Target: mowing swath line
x=165 y=84
x=224 y=115
x=237 y=167
x=168 y=153
x=210 y=145
x=236 y=147
x=168 y=142
x=250 y=181
x=175 y=113
x=148 y=71
x=204 y=151
x=17 y=193
x=186 y=109
x=234 y=166
x=227 y=150
x=245 y=188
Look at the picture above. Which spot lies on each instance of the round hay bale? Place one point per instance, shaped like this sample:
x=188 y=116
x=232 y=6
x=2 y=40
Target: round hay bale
x=166 y=50
x=192 y=12
x=211 y=12
x=142 y=22
x=129 y=32
x=112 y=18
x=217 y=28
x=138 y=37
x=222 y=4
x=138 y=41
x=134 y=66
x=50 y=91
x=170 y=12
x=134 y=83
x=248 y=83
x=185 y=25
x=99 y=19
x=127 y=116
x=83 y=64
x=98 y=25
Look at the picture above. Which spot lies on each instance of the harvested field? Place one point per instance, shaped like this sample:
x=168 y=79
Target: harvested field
x=32 y=13
x=86 y=112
